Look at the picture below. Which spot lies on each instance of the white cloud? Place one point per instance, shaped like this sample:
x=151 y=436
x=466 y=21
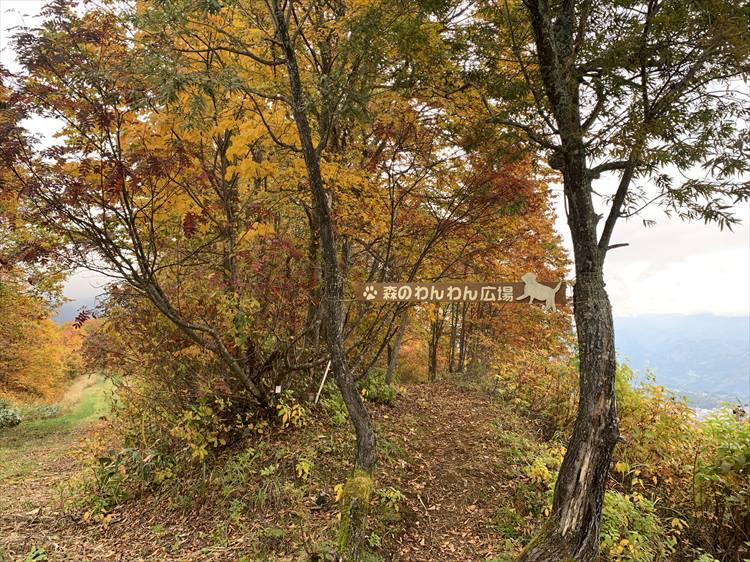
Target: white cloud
x=675 y=266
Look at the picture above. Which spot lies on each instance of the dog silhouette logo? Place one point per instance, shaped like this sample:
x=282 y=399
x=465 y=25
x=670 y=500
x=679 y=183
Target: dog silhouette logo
x=533 y=290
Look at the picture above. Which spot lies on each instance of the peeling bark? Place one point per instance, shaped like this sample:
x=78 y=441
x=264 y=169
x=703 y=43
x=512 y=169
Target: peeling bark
x=573 y=530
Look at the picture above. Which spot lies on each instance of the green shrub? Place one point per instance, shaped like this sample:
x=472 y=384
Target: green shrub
x=722 y=484
x=705 y=557
x=374 y=388
x=390 y=497
x=389 y=449
x=180 y=398
x=508 y=522
x=631 y=530
x=334 y=406
x=697 y=473
x=42 y=412
x=237 y=472
x=202 y=428
x=118 y=472
x=541 y=474
x=36 y=554
x=9 y=417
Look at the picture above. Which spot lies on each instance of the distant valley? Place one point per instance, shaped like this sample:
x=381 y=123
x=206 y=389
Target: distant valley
x=703 y=357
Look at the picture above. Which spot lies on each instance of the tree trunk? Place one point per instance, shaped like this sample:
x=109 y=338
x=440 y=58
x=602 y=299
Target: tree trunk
x=452 y=344
x=474 y=341
x=354 y=508
x=437 y=326
x=393 y=356
x=572 y=533
x=462 y=341
x=573 y=529
x=432 y=352
x=312 y=321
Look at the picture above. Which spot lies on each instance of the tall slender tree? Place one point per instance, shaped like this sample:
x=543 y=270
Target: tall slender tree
x=653 y=92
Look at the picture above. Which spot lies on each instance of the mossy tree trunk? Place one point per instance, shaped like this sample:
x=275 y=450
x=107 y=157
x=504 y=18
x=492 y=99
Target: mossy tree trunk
x=358 y=487
x=355 y=505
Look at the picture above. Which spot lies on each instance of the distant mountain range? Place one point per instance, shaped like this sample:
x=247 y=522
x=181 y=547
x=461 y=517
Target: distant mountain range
x=703 y=357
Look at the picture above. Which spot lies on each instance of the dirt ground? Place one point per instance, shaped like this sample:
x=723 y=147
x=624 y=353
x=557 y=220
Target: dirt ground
x=441 y=446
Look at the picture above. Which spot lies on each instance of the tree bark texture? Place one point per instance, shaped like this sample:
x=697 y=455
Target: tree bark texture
x=394 y=349
x=572 y=533
x=333 y=289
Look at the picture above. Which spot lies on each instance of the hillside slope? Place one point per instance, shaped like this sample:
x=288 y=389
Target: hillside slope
x=449 y=480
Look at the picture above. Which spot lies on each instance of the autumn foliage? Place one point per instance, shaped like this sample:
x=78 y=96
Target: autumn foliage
x=208 y=153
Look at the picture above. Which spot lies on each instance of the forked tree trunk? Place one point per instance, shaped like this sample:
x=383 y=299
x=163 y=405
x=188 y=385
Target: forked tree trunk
x=572 y=533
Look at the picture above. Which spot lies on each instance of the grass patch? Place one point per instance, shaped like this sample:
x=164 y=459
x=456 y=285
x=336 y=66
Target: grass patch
x=21 y=446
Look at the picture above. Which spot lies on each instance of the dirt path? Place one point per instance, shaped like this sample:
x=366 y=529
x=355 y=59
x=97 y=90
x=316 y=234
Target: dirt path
x=454 y=483
x=38 y=456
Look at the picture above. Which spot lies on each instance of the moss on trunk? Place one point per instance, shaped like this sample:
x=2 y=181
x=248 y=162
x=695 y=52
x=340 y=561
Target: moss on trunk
x=355 y=504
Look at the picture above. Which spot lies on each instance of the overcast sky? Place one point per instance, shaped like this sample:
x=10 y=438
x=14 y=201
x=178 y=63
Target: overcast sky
x=672 y=267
